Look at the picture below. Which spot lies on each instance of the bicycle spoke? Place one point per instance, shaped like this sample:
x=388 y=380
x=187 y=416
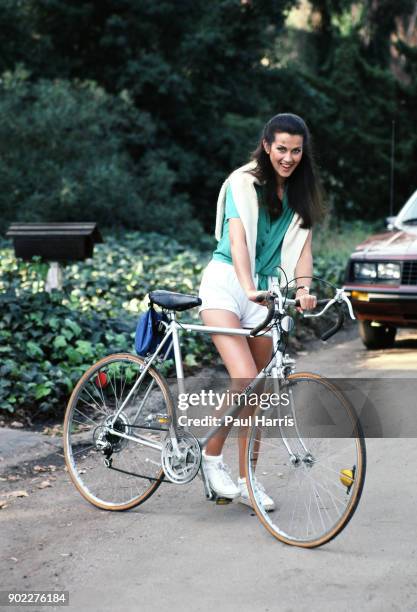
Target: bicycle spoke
x=85 y=416
x=134 y=469
x=312 y=504
x=98 y=407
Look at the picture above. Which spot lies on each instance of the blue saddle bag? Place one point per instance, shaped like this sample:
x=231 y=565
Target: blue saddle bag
x=149 y=333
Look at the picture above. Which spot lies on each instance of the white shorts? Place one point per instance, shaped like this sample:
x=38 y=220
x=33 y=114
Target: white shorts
x=220 y=289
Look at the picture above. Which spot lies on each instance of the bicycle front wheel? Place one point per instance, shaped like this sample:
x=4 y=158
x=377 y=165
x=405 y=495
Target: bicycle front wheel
x=116 y=464
x=309 y=454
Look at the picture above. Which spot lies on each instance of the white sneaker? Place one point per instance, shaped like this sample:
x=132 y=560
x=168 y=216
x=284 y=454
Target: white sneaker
x=265 y=500
x=218 y=476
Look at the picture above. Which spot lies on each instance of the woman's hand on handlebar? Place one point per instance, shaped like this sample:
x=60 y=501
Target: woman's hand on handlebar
x=256 y=296
x=307 y=301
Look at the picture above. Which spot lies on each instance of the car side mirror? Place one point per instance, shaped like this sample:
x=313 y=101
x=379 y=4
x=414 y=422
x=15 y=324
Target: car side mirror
x=389 y=223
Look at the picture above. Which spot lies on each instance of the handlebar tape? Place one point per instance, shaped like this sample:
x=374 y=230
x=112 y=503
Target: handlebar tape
x=340 y=320
x=269 y=316
x=271 y=310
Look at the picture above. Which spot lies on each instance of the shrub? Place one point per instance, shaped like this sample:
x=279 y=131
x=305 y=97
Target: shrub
x=45 y=347
x=48 y=340
x=65 y=157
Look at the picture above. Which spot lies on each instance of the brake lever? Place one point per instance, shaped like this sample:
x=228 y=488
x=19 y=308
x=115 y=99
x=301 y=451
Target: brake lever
x=342 y=297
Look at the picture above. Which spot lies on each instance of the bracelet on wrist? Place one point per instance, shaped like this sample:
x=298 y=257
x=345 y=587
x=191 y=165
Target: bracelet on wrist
x=307 y=289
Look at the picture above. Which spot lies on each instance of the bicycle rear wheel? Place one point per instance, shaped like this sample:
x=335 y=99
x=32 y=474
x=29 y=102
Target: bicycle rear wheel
x=310 y=456
x=111 y=471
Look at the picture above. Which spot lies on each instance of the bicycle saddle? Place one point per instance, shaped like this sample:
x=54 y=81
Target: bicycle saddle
x=174 y=301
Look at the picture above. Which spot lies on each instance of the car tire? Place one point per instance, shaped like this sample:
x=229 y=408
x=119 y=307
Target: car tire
x=378 y=337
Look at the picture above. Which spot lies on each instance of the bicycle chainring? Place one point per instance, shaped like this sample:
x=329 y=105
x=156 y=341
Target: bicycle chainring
x=182 y=469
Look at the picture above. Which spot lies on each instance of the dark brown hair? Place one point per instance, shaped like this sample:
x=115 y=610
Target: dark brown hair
x=304 y=191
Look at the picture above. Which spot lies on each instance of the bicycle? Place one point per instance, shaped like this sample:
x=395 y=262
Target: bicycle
x=122 y=439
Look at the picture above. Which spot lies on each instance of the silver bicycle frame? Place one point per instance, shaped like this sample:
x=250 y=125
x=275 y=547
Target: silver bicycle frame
x=172 y=334
x=273 y=369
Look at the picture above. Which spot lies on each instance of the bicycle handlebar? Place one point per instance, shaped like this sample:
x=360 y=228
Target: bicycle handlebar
x=336 y=301
x=339 y=323
x=269 y=316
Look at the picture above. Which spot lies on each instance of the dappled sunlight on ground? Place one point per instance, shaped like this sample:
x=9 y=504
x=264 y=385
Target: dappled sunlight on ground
x=346 y=357
x=403 y=356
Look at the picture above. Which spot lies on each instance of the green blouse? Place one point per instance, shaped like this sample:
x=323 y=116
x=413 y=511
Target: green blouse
x=269 y=237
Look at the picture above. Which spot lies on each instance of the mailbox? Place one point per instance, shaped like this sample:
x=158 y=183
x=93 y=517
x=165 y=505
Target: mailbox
x=56 y=243
x=59 y=242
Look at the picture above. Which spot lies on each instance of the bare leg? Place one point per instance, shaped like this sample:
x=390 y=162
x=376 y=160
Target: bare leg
x=243 y=359
x=236 y=356
x=261 y=350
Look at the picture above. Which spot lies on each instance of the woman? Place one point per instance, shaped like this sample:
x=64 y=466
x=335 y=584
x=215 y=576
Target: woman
x=265 y=212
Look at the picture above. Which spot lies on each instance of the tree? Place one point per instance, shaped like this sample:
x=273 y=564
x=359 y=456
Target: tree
x=188 y=86
x=350 y=102
x=379 y=22
x=64 y=158
x=323 y=14
x=193 y=67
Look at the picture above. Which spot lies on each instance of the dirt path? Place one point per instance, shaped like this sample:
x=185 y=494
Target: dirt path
x=178 y=551
x=345 y=356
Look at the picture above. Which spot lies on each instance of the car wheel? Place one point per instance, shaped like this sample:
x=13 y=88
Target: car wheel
x=376 y=336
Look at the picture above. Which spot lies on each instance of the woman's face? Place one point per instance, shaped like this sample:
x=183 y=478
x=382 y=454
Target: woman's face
x=285 y=153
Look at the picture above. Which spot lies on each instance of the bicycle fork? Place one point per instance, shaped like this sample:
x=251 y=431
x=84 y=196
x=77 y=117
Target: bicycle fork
x=298 y=452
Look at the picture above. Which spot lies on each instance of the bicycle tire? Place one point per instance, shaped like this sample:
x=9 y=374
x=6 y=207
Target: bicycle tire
x=285 y=480
x=133 y=466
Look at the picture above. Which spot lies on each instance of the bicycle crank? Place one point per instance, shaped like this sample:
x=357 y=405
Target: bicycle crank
x=181 y=467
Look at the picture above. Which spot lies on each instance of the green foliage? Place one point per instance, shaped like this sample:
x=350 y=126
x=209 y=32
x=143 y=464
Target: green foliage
x=332 y=246
x=361 y=134
x=184 y=66
x=134 y=112
x=42 y=352
x=380 y=20
x=119 y=276
x=64 y=150
x=48 y=340
x=350 y=111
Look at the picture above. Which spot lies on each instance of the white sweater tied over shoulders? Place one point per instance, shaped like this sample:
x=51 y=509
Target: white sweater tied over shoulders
x=242 y=184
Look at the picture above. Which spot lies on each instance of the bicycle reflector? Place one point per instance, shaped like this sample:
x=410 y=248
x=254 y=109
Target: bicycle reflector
x=101 y=380
x=346 y=478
